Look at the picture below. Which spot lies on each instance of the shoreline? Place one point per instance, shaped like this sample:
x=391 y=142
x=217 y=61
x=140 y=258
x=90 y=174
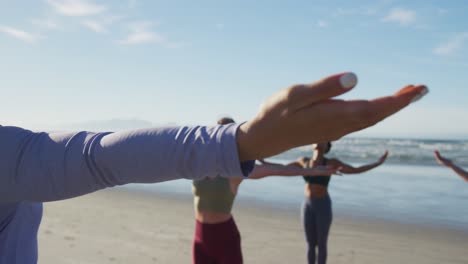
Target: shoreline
x=121 y=226
x=395 y=194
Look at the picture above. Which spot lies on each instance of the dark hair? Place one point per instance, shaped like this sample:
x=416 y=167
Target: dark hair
x=225 y=120
x=329 y=145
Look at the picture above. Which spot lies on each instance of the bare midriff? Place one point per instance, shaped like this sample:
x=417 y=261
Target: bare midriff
x=212 y=217
x=315 y=190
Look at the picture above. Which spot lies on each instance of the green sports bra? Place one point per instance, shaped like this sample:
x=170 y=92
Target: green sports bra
x=213 y=195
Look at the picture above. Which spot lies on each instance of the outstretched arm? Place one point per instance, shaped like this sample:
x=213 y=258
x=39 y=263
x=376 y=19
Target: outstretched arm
x=265 y=170
x=294 y=168
x=53 y=166
x=348 y=169
x=446 y=162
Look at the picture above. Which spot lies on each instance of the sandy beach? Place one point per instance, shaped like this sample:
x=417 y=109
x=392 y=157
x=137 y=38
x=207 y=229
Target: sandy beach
x=118 y=226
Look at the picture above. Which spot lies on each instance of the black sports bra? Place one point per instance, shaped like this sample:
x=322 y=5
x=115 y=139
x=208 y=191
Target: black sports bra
x=320 y=180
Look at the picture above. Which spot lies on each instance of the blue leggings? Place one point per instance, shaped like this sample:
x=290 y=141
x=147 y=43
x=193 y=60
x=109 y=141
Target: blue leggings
x=317 y=219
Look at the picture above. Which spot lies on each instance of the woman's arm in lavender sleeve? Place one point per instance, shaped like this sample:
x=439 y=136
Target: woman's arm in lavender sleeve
x=55 y=166
x=44 y=166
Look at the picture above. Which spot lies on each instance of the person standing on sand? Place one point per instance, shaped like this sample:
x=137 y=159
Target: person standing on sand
x=448 y=163
x=38 y=167
x=317 y=207
x=217 y=239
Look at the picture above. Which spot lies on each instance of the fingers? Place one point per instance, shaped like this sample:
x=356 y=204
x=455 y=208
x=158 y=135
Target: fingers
x=303 y=95
x=386 y=106
x=374 y=111
x=338 y=171
x=439 y=158
x=338 y=118
x=385 y=155
x=410 y=90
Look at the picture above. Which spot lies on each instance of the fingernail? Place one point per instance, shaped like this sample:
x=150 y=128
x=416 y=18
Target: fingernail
x=421 y=94
x=348 y=80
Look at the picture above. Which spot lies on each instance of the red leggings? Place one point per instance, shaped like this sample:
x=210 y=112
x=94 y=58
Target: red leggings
x=217 y=243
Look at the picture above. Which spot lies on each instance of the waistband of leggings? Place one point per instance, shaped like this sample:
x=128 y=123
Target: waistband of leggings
x=226 y=223
x=325 y=197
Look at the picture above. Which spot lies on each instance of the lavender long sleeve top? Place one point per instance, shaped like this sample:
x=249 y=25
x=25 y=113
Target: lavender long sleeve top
x=40 y=167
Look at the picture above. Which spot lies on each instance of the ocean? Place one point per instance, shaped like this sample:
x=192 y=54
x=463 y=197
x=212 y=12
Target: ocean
x=410 y=187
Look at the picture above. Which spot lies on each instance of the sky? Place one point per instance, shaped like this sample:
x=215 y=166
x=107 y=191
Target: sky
x=72 y=63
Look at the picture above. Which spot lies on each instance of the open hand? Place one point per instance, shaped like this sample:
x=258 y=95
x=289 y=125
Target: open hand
x=442 y=160
x=383 y=158
x=308 y=113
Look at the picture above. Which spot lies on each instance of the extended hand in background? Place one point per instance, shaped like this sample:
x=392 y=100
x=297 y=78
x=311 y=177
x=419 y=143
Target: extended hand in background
x=383 y=158
x=446 y=162
x=441 y=160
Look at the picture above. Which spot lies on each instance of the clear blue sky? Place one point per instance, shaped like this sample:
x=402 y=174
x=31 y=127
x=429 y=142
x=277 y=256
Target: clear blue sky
x=190 y=62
